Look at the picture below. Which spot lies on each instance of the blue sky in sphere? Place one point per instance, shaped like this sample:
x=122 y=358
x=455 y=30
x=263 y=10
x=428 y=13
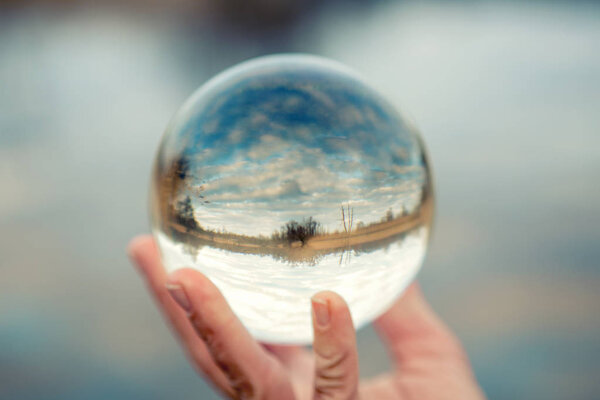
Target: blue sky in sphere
x=298 y=141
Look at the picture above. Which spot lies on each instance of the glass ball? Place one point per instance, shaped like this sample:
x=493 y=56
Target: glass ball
x=288 y=175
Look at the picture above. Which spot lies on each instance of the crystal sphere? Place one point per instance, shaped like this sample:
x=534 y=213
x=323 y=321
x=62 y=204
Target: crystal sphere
x=287 y=175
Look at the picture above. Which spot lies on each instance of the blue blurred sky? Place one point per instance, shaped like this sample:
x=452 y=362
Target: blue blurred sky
x=507 y=97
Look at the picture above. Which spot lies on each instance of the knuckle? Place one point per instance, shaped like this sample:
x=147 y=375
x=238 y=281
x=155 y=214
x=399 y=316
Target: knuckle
x=325 y=394
x=240 y=383
x=205 y=331
x=243 y=389
x=331 y=367
x=332 y=377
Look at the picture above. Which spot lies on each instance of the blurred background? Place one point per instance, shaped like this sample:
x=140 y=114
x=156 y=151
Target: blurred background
x=507 y=95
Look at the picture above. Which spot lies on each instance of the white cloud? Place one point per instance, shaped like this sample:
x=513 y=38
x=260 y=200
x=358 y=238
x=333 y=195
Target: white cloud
x=298 y=184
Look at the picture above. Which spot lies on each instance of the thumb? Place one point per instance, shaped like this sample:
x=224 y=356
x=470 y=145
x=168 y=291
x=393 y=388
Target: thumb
x=334 y=345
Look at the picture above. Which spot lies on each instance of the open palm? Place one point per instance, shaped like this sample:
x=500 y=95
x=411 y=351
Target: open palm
x=429 y=362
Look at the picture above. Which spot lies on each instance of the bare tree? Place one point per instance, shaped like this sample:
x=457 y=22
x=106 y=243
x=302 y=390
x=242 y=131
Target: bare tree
x=347 y=217
x=300 y=231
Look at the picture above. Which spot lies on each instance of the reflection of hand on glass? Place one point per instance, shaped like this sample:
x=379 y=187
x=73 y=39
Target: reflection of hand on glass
x=429 y=361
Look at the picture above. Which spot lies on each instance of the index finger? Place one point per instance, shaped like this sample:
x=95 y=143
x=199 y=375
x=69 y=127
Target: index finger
x=145 y=255
x=251 y=371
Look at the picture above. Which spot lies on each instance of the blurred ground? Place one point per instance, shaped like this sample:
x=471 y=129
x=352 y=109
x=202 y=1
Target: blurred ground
x=506 y=94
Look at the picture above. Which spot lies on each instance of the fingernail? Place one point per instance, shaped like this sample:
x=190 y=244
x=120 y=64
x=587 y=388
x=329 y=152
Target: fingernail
x=321 y=311
x=178 y=294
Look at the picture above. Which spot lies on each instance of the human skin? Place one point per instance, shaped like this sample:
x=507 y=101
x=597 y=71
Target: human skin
x=428 y=360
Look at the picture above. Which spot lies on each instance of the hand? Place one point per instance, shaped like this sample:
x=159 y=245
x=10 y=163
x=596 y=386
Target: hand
x=429 y=362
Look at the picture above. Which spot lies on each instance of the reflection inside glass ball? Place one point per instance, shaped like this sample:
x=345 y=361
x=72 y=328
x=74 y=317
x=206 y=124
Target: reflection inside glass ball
x=287 y=175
